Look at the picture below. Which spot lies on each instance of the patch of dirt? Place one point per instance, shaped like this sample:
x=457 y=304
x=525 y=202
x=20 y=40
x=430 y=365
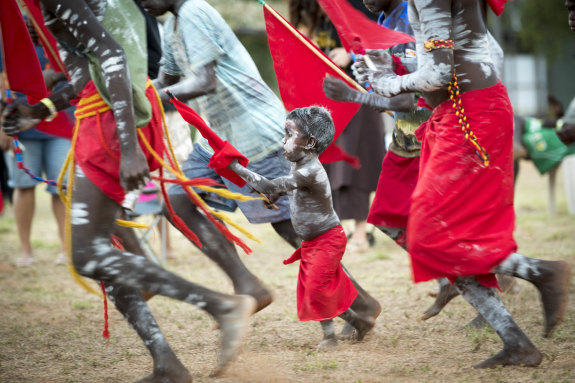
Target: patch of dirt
x=50 y=328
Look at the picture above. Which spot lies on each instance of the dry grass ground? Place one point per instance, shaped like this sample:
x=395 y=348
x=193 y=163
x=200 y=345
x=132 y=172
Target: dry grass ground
x=50 y=329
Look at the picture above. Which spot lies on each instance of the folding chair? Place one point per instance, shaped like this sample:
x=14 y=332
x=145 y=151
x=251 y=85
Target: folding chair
x=150 y=204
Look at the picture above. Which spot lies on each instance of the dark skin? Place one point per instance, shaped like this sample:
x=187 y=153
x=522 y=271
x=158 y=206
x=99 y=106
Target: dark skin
x=214 y=244
x=464 y=22
x=125 y=273
x=311 y=207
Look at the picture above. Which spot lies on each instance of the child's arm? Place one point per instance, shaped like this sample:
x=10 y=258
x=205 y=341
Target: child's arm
x=278 y=186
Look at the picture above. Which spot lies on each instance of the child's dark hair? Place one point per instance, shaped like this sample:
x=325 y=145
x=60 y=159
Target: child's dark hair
x=314 y=121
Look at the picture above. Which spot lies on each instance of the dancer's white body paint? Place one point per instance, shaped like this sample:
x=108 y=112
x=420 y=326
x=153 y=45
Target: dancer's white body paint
x=307 y=185
x=437 y=20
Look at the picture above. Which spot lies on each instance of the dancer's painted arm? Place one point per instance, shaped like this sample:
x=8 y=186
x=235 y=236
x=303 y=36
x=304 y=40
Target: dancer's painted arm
x=435 y=67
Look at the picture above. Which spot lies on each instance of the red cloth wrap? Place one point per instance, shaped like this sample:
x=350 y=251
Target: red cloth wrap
x=324 y=290
x=392 y=201
x=97 y=149
x=462 y=219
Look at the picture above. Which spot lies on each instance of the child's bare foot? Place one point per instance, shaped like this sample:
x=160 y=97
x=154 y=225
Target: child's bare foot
x=355 y=326
x=528 y=356
x=446 y=293
x=327 y=344
x=233 y=325
x=346 y=332
x=553 y=285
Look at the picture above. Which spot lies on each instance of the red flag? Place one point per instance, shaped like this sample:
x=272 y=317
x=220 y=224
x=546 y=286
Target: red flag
x=357 y=32
x=300 y=69
x=20 y=60
x=224 y=152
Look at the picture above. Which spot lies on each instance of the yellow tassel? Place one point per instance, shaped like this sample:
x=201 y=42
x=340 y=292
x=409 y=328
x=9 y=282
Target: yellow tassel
x=132 y=224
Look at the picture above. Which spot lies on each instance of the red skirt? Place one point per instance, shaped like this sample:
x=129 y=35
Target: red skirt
x=392 y=201
x=97 y=149
x=324 y=290
x=461 y=220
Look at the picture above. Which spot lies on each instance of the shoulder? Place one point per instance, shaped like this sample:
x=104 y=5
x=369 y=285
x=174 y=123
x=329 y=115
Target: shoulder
x=197 y=10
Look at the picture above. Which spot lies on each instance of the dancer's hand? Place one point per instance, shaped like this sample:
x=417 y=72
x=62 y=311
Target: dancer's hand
x=340 y=57
x=134 y=171
x=381 y=59
x=336 y=89
x=20 y=116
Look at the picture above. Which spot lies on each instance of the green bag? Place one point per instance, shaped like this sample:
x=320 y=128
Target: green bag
x=543 y=145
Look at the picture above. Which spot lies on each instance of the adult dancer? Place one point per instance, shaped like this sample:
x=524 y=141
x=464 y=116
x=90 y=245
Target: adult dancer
x=103 y=47
x=462 y=217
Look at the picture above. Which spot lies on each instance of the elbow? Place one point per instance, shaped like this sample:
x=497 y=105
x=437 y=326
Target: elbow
x=440 y=78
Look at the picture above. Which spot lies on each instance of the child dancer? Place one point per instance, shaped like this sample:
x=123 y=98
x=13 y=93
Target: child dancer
x=324 y=290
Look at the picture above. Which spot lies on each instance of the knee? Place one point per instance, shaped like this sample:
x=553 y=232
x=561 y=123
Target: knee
x=86 y=257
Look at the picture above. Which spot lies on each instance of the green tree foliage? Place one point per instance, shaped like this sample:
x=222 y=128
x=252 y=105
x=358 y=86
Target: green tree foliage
x=537 y=26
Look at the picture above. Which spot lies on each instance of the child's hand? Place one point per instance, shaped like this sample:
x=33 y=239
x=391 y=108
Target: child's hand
x=269 y=201
x=233 y=164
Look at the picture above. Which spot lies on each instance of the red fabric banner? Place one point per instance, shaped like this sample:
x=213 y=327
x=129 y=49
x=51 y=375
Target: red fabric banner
x=224 y=152
x=20 y=60
x=357 y=32
x=300 y=69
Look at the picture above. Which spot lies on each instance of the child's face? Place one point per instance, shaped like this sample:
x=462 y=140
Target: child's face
x=294 y=142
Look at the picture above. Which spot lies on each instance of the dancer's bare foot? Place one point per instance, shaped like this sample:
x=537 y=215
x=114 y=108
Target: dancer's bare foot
x=346 y=332
x=446 y=293
x=553 y=286
x=365 y=322
x=327 y=344
x=528 y=356
x=233 y=325
x=175 y=373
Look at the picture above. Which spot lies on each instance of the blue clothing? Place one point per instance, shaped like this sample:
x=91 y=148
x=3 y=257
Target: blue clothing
x=274 y=165
x=243 y=109
x=41 y=157
x=398 y=21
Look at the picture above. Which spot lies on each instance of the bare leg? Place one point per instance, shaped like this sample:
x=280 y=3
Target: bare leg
x=167 y=366
x=517 y=348
x=551 y=279
x=329 y=341
x=59 y=211
x=24 y=205
x=446 y=293
x=364 y=305
x=93 y=215
x=358 y=242
x=220 y=250
x=361 y=325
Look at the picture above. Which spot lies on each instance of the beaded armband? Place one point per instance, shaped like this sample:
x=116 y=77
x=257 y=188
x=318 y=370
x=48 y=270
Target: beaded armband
x=455 y=97
x=430 y=45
